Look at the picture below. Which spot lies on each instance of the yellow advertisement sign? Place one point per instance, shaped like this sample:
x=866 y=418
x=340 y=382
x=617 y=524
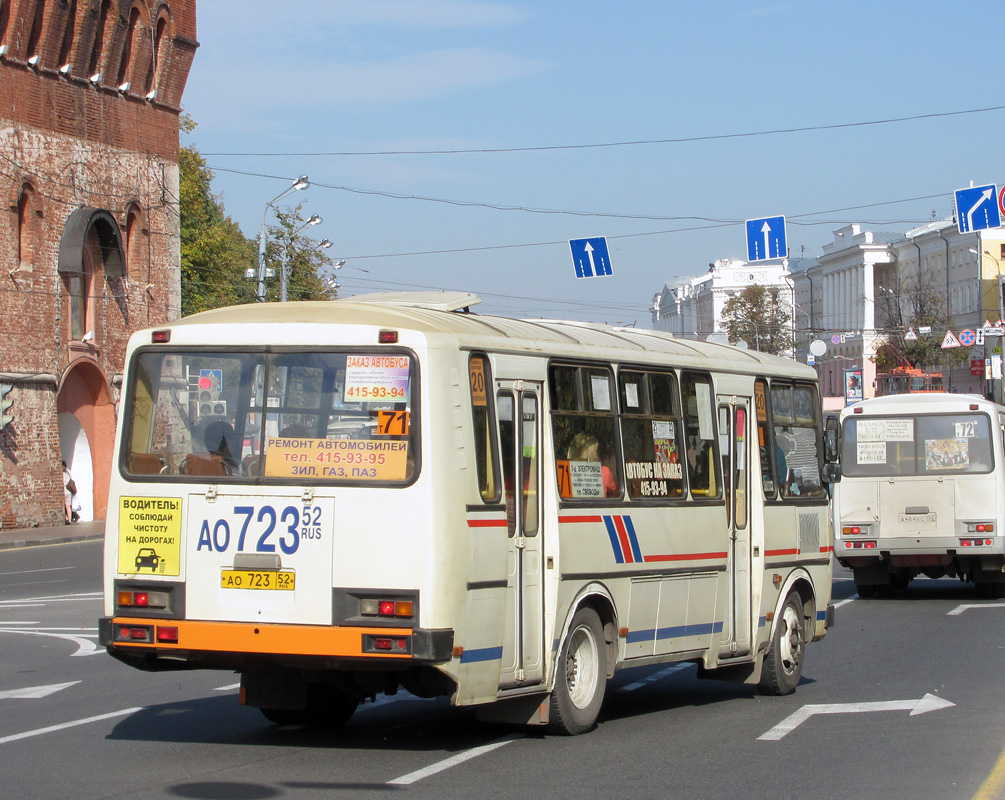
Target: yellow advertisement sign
x=150 y=535
x=336 y=459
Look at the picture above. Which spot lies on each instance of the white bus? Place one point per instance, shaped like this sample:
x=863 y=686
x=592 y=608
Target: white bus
x=922 y=491
x=337 y=499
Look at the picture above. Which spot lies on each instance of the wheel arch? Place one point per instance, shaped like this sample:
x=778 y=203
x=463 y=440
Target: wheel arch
x=597 y=597
x=800 y=582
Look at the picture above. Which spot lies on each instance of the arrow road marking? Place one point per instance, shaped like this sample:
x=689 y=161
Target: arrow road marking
x=985 y=196
x=927 y=703
x=85 y=647
x=35 y=692
x=960 y=609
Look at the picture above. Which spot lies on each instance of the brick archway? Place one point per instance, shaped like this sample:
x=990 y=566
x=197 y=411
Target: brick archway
x=84 y=394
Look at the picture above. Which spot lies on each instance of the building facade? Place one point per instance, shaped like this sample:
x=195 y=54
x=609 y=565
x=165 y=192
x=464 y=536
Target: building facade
x=692 y=307
x=90 y=97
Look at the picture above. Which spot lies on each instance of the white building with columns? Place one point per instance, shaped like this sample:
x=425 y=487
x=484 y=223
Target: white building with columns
x=692 y=307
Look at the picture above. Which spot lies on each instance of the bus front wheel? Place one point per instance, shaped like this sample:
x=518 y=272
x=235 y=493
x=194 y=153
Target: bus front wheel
x=582 y=676
x=783 y=663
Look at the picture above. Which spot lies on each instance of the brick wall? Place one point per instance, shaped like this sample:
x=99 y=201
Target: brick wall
x=70 y=142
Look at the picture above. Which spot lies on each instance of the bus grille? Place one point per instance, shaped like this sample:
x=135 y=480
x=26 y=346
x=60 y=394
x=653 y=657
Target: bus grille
x=809 y=533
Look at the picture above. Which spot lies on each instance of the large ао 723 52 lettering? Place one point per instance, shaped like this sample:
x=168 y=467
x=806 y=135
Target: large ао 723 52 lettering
x=261 y=532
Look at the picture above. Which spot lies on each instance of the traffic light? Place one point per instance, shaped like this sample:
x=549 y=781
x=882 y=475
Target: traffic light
x=210 y=385
x=6 y=404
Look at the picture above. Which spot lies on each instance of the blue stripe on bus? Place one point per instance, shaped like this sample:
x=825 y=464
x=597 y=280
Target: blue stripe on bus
x=636 y=552
x=675 y=632
x=485 y=654
x=822 y=616
x=762 y=621
x=615 y=542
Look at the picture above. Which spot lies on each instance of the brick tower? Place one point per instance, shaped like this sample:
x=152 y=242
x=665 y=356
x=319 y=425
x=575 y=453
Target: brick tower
x=90 y=94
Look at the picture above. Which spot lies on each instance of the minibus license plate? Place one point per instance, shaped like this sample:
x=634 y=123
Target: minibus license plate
x=257 y=579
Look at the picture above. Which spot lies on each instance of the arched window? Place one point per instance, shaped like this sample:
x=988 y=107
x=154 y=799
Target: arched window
x=89 y=249
x=4 y=20
x=36 y=30
x=27 y=228
x=127 y=52
x=136 y=241
x=98 y=45
x=159 y=54
x=69 y=32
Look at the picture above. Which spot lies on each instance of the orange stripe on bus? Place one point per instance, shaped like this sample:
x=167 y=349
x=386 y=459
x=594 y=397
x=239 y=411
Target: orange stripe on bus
x=581 y=519
x=790 y=552
x=685 y=557
x=249 y=637
x=486 y=523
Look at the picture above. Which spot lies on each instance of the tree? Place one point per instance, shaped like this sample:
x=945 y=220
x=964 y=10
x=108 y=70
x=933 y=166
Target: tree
x=921 y=304
x=305 y=260
x=214 y=252
x=756 y=317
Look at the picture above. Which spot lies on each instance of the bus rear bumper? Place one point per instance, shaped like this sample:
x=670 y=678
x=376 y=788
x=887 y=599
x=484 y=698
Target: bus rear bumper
x=161 y=644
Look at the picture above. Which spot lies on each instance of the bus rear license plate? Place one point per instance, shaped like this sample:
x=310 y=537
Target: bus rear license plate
x=257 y=579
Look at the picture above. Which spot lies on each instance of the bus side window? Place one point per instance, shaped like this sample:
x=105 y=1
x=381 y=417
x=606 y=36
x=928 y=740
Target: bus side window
x=699 y=426
x=480 y=379
x=796 y=435
x=764 y=441
x=587 y=463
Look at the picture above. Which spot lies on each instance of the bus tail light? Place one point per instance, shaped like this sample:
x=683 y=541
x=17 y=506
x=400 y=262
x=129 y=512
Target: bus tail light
x=141 y=599
x=168 y=634
x=134 y=633
x=374 y=607
x=975 y=542
x=854 y=530
x=860 y=545
x=981 y=527
x=398 y=645
x=387 y=337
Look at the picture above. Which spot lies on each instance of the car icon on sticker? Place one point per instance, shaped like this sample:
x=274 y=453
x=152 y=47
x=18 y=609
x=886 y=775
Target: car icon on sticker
x=147 y=557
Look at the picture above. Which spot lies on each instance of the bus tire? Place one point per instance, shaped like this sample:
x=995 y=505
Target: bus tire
x=327 y=707
x=582 y=676
x=783 y=663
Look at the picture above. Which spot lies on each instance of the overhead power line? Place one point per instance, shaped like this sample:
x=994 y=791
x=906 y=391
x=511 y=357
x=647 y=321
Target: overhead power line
x=635 y=143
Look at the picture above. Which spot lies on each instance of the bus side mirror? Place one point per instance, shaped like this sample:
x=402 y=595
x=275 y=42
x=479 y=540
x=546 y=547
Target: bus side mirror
x=832 y=440
x=831 y=472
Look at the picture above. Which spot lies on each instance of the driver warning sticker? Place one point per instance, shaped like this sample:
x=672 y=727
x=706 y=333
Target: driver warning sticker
x=150 y=536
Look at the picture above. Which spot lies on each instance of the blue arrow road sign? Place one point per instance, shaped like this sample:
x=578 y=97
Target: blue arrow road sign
x=766 y=238
x=590 y=257
x=977 y=208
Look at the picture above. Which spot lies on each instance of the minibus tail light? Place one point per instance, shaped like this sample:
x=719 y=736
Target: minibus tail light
x=387 y=337
x=160 y=337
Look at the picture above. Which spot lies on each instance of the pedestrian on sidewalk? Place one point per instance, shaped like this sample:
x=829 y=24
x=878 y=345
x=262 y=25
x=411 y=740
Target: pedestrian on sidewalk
x=69 y=495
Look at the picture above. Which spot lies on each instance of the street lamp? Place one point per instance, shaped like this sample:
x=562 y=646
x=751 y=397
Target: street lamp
x=298 y=184
x=284 y=274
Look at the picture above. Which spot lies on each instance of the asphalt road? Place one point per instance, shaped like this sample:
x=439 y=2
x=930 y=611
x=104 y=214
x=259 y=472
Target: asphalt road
x=904 y=698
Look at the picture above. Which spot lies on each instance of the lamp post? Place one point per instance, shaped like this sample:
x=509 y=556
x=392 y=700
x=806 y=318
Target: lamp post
x=298 y=184
x=284 y=274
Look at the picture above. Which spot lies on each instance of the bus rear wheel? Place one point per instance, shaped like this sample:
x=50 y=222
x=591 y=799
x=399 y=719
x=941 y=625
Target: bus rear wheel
x=582 y=676
x=783 y=663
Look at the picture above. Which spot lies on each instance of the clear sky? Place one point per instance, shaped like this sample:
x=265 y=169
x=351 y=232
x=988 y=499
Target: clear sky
x=629 y=120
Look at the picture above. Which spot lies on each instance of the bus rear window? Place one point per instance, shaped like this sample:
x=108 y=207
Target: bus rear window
x=937 y=444
x=241 y=416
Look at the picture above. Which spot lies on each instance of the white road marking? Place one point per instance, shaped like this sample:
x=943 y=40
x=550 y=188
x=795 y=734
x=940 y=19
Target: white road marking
x=453 y=761
x=84 y=646
x=654 y=677
x=228 y=688
x=43 y=569
x=966 y=607
x=846 y=601
x=72 y=724
x=35 y=692
x=921 y=706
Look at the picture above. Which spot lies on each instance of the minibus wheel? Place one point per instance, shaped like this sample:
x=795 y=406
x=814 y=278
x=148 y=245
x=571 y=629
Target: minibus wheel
x=783 y=663
x=581 y=676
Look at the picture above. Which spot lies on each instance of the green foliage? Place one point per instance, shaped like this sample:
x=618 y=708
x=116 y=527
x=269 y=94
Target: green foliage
x=215 y=254
x=756 y=317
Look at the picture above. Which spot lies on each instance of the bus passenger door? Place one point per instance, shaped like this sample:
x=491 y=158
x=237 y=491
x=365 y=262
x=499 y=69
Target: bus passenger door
x=519 y=413
x=734 y=440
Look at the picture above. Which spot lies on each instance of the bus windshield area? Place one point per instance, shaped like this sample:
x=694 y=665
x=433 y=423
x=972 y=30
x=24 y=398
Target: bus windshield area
x=246 y=416
x=936 y=444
